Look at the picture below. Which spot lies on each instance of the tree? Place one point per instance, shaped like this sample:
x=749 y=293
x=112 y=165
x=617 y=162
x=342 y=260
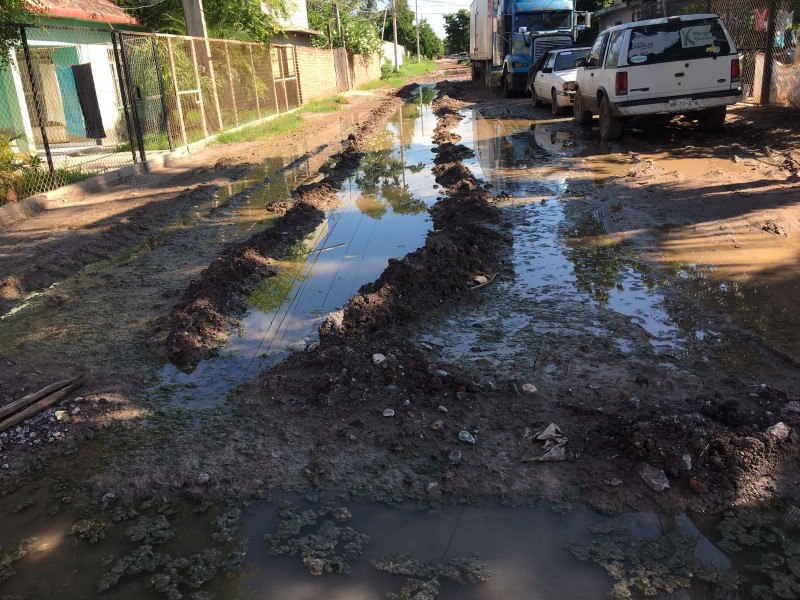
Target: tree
x=228 y=19
x=13 y=11
x=358 y=23
x=430 y=46
x=456 y=26
x=406 y=30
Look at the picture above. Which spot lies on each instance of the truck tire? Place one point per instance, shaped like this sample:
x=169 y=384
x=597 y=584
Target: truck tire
x=581 y=116
x=610 y=126
x=507 y=86
x=555 y=109
x=711 y=120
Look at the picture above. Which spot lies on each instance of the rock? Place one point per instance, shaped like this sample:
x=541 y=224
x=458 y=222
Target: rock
x=686 y=461
x=697 y=486
x=454 y=456
x=108 y=498
x=780 y=431
x=341 y=514
x=466 y=436
x=442 y=374
x=388 y=412
x=613 y=482
x=480 y=279
x=378 y=359
x=655 y=478
x=432 y=491
x=528 y=388
x=203 y=478
x=442 y=408
x=75 y=411
x=438 y=426
x=793 y=406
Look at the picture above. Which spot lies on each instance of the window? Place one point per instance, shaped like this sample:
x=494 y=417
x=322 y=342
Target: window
x=551 y=60
x=544 y=21
x=614 y=49
x=566 y=60
x=681 y=40
x=596 y=52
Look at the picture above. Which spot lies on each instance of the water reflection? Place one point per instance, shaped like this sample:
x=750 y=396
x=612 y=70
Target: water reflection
x=382 y=214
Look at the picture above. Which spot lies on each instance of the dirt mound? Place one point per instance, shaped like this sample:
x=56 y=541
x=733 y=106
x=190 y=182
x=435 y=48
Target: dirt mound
x=202 y=320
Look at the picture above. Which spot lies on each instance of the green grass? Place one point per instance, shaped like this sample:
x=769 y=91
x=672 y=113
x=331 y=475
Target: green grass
x=152 y=141
x=282 y=124
x=399 y=78
x=325 y=105
x=277 y=126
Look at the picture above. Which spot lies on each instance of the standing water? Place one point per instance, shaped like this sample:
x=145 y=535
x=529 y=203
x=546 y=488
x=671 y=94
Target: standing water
x=382 y=214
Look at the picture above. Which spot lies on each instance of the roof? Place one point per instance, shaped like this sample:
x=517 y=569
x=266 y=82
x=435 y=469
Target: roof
x=104 y=11
x=292 y=29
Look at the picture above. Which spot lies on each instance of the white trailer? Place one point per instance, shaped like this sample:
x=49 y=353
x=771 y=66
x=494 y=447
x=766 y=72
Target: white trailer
x=481 y=43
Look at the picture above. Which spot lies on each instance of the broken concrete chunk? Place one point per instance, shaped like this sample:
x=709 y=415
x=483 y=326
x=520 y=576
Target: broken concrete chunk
x=656 y=479
x=780 y=431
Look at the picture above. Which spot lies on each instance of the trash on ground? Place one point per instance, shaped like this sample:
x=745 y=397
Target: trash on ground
x=553 y=444
x=656 y=479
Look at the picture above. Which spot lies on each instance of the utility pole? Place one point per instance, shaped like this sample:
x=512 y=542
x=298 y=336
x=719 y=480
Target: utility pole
x=416 y=8
x=394 y=26
x=338 y=22
x=383 y=28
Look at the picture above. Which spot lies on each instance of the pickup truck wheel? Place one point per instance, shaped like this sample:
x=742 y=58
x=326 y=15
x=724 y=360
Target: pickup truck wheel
x=610 y=126
x=555 y=109
x=582 y=116
x=535 y=100
x=711 y=120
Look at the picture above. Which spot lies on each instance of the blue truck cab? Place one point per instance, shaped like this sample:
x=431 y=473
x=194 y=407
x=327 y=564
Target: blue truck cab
x=524 y=31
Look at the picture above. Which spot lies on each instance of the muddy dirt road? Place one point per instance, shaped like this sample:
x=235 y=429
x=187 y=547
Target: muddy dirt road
x=436 y=299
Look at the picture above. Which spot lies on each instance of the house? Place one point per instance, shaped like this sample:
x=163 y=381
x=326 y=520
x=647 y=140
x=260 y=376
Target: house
x=295 y=28
x=72 y=62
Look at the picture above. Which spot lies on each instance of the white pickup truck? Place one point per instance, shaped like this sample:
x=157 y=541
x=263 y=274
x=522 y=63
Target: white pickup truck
x=669 y=66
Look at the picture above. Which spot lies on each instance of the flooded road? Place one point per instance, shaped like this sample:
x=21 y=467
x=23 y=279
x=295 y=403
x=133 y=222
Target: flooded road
x=382 y=214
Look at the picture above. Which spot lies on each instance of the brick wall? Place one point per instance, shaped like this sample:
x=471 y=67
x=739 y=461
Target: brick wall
x=317 y=77
x=364 y=69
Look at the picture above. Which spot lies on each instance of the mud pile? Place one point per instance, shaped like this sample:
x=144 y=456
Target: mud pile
x=202 y=320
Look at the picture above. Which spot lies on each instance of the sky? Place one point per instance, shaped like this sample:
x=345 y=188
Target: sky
x=432 y=10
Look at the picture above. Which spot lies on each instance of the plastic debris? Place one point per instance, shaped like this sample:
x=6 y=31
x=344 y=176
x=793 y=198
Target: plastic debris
x=553 y=444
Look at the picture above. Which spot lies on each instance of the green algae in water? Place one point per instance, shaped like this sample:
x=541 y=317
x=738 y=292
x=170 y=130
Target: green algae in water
x=331 y=549
x=651 y=566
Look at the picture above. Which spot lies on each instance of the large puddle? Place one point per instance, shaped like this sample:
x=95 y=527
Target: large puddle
x=382 y=214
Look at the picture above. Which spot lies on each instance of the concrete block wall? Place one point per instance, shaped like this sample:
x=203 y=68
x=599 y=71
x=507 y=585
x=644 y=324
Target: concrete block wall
x=317 y=75
x=364 y=69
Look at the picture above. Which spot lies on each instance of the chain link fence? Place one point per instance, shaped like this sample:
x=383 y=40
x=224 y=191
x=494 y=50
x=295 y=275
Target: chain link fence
x=76 y=102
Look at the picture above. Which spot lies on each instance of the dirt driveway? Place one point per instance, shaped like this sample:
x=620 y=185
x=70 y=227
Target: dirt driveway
x=546 y=317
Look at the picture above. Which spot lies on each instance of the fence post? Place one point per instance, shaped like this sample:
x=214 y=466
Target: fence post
x=182 y=123
x=766 y=81
x=123 y=94
x=200 y=99
x=230 y=81
x=164 y=114
x=274 y=79
x=36 y=100
x=255 y=79
x=134 y=109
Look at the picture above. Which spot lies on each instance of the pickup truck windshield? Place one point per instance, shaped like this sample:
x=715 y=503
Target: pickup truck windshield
x=544 y=21
x=566 y=60
x=681 y=40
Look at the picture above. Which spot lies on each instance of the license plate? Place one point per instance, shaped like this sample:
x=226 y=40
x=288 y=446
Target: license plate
x=677 y=104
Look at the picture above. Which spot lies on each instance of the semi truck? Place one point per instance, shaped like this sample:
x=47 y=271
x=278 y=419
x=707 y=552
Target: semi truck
x=507 y=36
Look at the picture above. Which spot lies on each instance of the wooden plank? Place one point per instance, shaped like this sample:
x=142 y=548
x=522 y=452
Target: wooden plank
x=41 y=405
x=23 y=402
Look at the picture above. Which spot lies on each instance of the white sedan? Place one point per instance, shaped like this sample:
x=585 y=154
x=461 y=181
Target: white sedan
x=550 y=76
